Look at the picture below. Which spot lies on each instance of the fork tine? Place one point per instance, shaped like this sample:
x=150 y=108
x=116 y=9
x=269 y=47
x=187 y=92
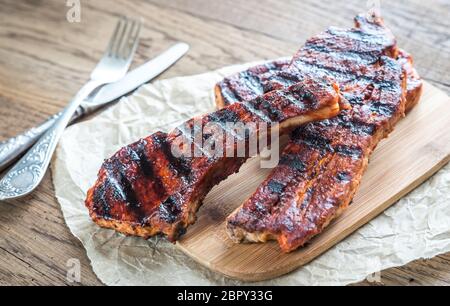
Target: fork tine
x=123 y=38
x=135 y=36
x=132 y=40
x=120 y=37
x=113 y=41
x=125 y=41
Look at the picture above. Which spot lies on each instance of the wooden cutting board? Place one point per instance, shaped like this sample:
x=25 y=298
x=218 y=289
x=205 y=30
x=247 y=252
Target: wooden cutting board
x=418 y=148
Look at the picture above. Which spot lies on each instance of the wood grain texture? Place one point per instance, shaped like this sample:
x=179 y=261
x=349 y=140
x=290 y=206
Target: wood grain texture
x=44 y=60
x=418 y=148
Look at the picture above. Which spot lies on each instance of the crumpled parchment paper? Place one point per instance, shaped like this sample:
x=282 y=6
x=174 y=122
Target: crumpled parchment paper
x=416 y=227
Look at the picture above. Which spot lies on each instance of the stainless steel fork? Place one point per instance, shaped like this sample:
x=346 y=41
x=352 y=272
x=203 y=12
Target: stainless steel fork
x=29 y=171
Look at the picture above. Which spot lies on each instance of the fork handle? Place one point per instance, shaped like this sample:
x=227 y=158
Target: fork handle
x=26 y=175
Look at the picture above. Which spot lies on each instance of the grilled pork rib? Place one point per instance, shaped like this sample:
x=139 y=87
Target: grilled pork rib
x=344 y=54
x=248 y=84
x=144 y=189
x=253 y=82
x=322 y=166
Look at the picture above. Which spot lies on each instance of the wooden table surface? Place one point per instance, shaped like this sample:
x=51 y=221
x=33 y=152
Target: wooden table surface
x=44 y=60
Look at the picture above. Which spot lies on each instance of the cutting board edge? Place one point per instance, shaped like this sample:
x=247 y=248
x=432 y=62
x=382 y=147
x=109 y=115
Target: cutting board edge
x=283 y=270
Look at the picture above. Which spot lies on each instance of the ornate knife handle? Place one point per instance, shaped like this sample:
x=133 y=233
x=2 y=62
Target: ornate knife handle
x=26 y=175
x=13 y=148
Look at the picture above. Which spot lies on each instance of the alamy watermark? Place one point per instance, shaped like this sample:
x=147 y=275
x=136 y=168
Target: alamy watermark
x=73 y=271
x=375 y=277
x=373 y=9
x=228 y=140
x=74 y=12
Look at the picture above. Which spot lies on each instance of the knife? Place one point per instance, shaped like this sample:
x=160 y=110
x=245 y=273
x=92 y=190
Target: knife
x=13 y=148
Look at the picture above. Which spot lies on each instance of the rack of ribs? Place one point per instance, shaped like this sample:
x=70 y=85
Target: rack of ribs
x=321 y=168
x=153 y=187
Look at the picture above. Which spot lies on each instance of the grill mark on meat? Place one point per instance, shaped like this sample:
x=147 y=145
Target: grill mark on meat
x=130 y=196
x=118 y=172
x=293 y=162
x=334 y=59
x=353 y=152
x=242 y=91
x=355 y=41
x=122 y=188
x=276 y=187
x=179 y=165
x=258 y=113
x=312 y=140
x=284 y=78
x=170 y=210
x=296 y=96
x=299 y=100
x=190 y=137
x=114 y=180
x=347 y=47
x=252 y=82
x=223 y=117
x=344 y=177
x=356 y=127
x=342 y=75
x=319 y=70
x=368 y=55
x=385 y=110
x=139 y=156
x=230 y=93
x=367 y=58
x=101 y=206
x=266 y=108
x=238 y=95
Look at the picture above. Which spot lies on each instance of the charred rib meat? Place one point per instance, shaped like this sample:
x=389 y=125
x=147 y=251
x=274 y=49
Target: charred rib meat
x=322 y=166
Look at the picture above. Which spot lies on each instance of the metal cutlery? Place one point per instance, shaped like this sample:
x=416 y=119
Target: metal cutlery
x=27 y=174
x=11 y=149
